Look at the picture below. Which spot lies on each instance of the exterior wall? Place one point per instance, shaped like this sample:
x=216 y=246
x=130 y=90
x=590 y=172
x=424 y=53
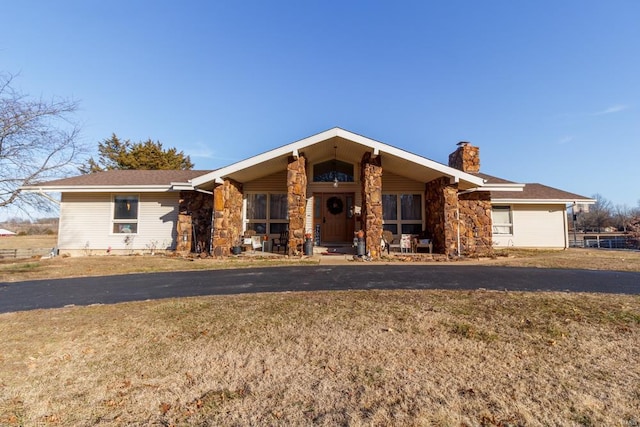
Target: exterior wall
x=372 y=202
x=276 y=182
x=536 y=226
x=86 y=224
x=297 y=201
x=392 y=183
x=475 y=223
x=227 y=216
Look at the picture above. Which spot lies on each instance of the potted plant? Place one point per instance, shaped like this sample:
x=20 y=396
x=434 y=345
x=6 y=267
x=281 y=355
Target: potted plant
x=308 y=244
x=236 y=249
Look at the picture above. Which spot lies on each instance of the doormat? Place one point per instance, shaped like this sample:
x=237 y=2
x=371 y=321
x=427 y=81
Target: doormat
x=332 y=251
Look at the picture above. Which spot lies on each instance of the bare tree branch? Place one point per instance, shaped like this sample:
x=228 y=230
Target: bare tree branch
x=38 y=142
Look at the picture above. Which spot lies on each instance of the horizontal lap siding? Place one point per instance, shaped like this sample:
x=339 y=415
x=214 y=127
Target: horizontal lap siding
x=275 y=183
x=86 y=222
x=392 y=183
x=536 y=226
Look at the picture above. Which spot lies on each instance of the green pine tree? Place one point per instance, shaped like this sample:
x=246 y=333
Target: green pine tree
x=117 y=154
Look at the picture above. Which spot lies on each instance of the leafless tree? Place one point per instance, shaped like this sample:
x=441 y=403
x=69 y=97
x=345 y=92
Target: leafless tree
x=622 y=215
x=599 y=215
x=38 y=142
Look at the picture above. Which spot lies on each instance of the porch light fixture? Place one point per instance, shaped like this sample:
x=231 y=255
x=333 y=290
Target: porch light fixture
x=335 y=161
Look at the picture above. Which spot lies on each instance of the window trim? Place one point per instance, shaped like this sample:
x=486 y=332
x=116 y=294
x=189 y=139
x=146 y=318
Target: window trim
x=399 y=222
x=267 y=221
x=113 y=220
x=495 y=226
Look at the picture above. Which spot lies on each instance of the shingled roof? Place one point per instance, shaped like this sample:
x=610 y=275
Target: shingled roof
x=125 y=177
x=538 y=192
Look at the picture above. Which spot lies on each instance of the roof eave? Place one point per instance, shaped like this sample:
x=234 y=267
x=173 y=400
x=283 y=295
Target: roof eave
x=542 y=201
x=377 y=147
x=97 y=189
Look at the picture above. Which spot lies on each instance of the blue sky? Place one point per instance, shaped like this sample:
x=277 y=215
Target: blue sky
x=547 y=89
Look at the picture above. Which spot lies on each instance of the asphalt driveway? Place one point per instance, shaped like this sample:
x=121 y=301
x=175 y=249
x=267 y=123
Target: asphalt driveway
x=138 y=287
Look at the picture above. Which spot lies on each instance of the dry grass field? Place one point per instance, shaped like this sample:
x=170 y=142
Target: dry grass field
x=410 y=358
x=441 y=358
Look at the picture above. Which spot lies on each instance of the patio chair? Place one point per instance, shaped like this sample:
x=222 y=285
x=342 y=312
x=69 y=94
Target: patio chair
x=406 y=243
x=390 y=242
x=281 y=242
x=256 y=242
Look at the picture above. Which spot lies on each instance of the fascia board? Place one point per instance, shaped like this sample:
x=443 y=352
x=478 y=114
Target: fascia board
x=97 y=189
x=376 y=146
x=268 y=155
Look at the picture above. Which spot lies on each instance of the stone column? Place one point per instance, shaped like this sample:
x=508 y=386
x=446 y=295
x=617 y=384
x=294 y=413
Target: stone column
x=371 y=170
x=199 y=207
x=184 y=233
x=441 y=215
x=227 y=216
x=297 y=201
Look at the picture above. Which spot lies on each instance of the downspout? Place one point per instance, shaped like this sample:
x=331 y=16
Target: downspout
x=566 y=229
x=458 y=218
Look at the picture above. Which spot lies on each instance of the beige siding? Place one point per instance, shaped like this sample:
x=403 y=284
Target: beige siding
x=276 y=183
x=536 y=226
x=85 y=222
x=392 y=183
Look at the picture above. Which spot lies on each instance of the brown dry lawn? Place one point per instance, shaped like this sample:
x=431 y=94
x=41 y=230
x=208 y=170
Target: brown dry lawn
x=443 y=358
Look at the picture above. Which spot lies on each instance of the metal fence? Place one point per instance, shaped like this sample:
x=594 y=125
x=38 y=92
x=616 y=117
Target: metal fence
x=608 y=242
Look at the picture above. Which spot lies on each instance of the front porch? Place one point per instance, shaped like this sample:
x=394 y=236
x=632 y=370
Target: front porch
x=333 y=184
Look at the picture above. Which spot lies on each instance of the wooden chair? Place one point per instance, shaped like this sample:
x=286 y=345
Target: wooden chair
x=281 y=242
x=390 y=242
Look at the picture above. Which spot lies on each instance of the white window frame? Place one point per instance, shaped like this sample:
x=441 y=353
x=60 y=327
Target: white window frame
x=399 y=222
x=114 y=221
x=267 y=221
x=497 y=226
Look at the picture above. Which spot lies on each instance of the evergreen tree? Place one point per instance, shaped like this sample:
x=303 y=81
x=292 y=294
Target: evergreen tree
x=122 y=155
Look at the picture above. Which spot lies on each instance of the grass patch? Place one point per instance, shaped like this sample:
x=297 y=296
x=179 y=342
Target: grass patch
x=327 y=358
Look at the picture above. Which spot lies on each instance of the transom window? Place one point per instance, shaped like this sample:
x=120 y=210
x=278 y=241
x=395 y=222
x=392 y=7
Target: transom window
x=125 y=214
x=267 y=213
x=402 y=213
x=502 y=220
x=330 y=170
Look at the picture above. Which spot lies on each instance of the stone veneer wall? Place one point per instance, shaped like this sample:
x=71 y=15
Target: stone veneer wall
x=441 y=222
x=372 y=202
x=184 y=238
x=476 y=236
x=195 y=211
x=466 y=158
x=297 y=200
x=227 y=222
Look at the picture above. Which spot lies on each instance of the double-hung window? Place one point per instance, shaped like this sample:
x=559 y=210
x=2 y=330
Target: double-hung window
x=125 y=214
x=267 y=213
x=502 y=220
x=402 y=213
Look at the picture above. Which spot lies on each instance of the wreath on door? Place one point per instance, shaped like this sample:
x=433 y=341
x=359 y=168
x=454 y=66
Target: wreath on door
x=334 y=205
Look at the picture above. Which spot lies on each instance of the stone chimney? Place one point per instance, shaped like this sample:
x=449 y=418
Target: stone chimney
x=466 y=158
